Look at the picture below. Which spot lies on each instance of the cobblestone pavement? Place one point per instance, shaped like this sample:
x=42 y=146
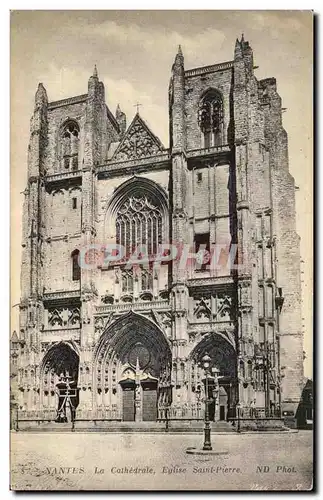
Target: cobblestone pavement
x=68 y=461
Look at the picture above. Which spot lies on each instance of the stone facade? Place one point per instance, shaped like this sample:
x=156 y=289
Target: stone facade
x=133 y=338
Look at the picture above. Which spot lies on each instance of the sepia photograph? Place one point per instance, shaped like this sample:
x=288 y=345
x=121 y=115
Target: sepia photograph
x=161 y=250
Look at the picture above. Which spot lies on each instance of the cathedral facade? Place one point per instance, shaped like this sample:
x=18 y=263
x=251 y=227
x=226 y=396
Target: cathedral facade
x=218 y=267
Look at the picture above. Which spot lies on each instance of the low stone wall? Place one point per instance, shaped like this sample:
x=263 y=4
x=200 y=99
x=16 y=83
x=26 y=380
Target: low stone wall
x=260 y=424
x=98 y=414
x=43 y=414
x=185 y=424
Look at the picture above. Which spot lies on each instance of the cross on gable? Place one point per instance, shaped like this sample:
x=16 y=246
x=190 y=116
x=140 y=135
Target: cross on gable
x=137 y=106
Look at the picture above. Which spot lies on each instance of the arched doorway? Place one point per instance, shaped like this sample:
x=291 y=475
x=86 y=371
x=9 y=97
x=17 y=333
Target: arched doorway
x=223 y=392
x=60 y=364
x=132 y=370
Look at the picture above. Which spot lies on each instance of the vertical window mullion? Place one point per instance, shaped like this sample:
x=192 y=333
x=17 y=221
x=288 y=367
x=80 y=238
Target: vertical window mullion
x=147 y=232
x=144 y=229
x=212 y=142
x=121 y=242
x=139 y=230
x=128 y=236
x=133 y=233
x=160 y=232
x=156 y=233
x=152 y=233
x=118 y=232
x=125 y=226
x=151 y=242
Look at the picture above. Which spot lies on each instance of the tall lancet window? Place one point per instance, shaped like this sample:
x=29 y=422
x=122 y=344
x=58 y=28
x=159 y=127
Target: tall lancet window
x=210 y=119
x=70 y=145
x=139 y=223
x=76 y=271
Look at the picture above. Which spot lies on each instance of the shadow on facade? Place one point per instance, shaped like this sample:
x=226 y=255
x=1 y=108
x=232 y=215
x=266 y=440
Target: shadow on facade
x=304 y=413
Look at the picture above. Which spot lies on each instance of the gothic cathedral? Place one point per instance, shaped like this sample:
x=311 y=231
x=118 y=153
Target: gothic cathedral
x=130 y=334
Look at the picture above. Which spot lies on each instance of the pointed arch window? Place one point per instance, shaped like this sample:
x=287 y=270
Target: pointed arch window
x=139 y=223
x=210 y=119
x=146 y=279
x=76 y=271
x=127 y=281
x=69 y=144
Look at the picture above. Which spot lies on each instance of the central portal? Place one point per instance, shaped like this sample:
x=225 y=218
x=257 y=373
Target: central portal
x=133 y=366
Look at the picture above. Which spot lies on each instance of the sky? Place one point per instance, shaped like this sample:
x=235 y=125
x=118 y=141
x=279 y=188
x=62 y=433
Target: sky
x=134 y=52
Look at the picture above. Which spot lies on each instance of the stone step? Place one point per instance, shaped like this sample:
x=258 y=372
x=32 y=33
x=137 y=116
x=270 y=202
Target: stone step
x=127 y=427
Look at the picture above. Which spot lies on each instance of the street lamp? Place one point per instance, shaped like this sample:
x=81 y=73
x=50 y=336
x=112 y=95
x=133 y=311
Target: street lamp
x=238 y=407
x=207 y=429
x=207 y=447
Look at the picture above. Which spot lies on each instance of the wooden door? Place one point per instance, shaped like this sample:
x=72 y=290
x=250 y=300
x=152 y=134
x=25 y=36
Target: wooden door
x=128 y=404
x=223 y=402
x=149 y=403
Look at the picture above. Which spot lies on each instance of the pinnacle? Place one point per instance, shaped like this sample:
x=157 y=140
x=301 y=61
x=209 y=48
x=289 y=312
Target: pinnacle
x=119 y=112
x=41 y=94
x=179 y=59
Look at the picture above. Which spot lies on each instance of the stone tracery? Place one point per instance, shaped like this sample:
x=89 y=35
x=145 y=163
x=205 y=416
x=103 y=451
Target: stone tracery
x=138 y=142
x=69 y=145
x=139 y=223
x=210 y=118
x=64 y=317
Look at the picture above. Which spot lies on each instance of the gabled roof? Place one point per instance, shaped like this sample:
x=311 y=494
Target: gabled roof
x=138 y=142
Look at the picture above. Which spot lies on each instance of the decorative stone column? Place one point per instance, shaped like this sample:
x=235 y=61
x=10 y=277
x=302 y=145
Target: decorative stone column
x=138 y=394
x=179 y=232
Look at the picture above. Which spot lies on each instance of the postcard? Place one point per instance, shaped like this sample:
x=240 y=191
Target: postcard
x=161 y=250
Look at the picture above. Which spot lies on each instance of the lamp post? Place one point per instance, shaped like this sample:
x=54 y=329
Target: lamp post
x=207 y=429
x=210 y=383
x=238 y=407
x=215 y=391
